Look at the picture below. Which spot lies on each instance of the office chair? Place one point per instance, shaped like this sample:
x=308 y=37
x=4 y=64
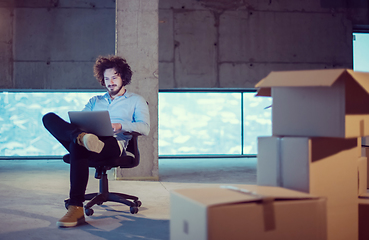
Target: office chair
x=130 y=160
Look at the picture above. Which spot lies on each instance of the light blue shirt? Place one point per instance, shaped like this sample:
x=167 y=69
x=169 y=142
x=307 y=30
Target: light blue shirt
x=130 y=110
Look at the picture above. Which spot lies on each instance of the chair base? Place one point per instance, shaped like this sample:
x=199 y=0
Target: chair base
x=105 y=196
x=100 y=198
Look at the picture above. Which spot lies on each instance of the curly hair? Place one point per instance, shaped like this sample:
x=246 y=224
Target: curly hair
x=118 y=63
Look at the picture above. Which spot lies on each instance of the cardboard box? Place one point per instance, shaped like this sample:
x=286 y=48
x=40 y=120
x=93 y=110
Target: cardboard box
x=325 y=167
x=318 y=103
x=246 y=212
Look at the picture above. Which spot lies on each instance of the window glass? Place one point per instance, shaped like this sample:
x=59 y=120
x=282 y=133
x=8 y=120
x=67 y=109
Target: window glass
x=257 y=120
x=21 y=129
x=199 y=123
x=361 y=52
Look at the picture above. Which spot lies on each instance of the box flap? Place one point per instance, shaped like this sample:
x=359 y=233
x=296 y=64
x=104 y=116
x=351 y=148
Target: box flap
x=240 y=194
x=264 y=92
x=276 y=193
x=361 y=77
x=301 y=78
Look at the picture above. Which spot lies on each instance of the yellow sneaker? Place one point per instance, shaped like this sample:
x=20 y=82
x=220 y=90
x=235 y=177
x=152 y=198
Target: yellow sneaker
x=91 y=142
x=75 y=216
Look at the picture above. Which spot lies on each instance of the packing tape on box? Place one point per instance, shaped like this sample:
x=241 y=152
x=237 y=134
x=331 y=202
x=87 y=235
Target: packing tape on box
x=267 y=203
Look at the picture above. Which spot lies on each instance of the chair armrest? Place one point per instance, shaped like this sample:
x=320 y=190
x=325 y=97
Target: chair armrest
x=133 y=133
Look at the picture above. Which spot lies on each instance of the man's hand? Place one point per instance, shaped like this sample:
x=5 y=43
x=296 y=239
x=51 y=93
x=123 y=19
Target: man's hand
x=116 y=127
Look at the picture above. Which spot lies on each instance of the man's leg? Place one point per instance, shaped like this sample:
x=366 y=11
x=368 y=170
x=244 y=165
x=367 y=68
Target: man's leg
x=79 y=173
x=78 y=144
x=78 y=182
x=66 y=133
x=63 y=131
x=79 y=160
x=79 y=157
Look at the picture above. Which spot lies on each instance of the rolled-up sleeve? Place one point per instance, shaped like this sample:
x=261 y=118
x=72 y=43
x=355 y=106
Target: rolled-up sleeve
x=90 y=104
x=141 y=118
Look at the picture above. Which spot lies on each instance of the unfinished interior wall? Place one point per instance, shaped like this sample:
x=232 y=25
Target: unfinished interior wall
x=203 y=43
x=234 y=44
x=54 y=44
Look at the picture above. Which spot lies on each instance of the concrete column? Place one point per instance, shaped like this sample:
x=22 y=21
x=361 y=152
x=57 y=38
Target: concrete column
x=137 y=40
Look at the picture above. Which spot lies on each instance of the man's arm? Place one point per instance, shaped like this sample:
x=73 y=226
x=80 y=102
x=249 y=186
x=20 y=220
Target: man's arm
x=141 y=119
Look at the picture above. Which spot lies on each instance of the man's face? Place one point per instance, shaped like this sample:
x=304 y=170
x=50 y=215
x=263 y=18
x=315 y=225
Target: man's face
x=113 y=82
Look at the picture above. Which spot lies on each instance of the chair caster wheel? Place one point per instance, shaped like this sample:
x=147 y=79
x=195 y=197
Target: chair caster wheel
x=138 y=203
x=133 y=210
x=89 y=211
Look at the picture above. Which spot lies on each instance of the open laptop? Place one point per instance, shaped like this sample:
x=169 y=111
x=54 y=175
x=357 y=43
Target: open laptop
x=96 y=122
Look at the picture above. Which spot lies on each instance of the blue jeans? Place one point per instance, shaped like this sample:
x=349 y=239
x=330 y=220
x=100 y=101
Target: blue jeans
x=66 y=133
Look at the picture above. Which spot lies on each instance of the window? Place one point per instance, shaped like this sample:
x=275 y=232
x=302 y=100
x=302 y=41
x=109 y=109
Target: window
x=190 y=123
x=361 y=51
x=257 y=120
x=199 y=123
x=212 y=123
x=21 y=129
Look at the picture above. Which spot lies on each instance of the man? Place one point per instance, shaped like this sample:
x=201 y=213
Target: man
x=128 y=112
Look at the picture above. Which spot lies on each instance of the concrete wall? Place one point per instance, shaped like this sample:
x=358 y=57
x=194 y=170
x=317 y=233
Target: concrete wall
x=53 y=44
x=234 y=44
x=203 y=43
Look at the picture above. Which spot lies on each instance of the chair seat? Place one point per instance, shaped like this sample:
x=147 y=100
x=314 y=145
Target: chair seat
x=122 y=162
x=130 y=159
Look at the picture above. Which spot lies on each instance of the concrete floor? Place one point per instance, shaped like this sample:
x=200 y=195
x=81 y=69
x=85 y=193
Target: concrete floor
x=32 y=194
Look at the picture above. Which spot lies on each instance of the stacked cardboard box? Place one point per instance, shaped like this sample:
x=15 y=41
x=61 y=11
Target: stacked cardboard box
x=318 y=119
x=310 y=172
x=246 y=212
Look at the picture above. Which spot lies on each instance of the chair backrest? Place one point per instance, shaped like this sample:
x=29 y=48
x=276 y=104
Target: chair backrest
x=132 y=158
